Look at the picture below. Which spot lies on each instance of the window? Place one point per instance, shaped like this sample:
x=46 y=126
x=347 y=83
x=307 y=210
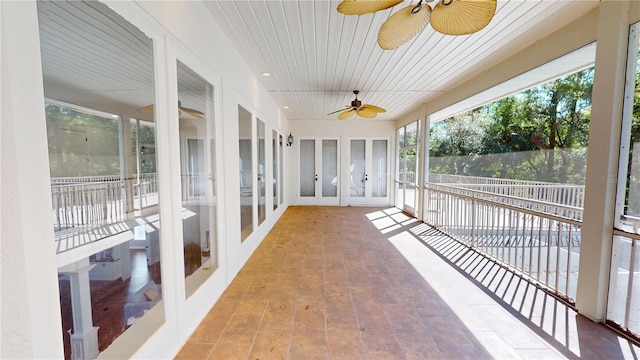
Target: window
x=623 y=309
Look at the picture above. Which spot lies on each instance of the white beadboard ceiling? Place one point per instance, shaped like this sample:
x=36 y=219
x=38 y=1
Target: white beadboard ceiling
x=316 y=55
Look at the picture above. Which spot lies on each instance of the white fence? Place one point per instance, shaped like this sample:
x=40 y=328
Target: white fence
x=538 y=239
x=565 y=194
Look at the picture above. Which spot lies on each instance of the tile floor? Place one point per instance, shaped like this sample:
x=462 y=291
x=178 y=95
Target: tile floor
x=372 y=283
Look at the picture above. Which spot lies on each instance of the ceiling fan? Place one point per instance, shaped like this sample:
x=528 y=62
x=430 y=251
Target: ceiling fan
x=449 y=17
x=366 y=111
x=181 y=109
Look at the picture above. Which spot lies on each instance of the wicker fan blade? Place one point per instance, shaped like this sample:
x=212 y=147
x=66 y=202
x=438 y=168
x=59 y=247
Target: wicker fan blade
x=462 y=17
x=366 y=113
x=148 y=108
x=337 y=111
x=374 y=108
x=403 y=26
x=361 y=7
x=346 y=114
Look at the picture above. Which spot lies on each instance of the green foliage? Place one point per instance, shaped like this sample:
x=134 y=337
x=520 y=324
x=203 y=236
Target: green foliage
x=81 y=144
x=541 y=134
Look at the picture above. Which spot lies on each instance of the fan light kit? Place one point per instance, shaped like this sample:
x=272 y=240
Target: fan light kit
x=366 y=111
x=449 y=17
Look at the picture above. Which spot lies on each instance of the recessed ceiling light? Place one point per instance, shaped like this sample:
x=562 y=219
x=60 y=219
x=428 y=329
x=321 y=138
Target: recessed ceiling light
x=266 y=74
x=285 y=107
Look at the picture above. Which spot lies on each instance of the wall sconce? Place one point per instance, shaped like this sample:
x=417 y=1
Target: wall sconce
x=290 y=140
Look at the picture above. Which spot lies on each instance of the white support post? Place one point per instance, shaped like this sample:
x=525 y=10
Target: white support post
x=84 y=339
x=602 y=163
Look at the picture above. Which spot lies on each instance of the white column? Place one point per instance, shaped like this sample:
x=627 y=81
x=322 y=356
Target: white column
x=126 y=163
x=30 y=304
x=602 y=163
x=84 y=339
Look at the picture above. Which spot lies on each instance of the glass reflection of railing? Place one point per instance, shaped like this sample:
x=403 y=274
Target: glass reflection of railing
x=145 y=190
x=93 y=201
x=87 y=203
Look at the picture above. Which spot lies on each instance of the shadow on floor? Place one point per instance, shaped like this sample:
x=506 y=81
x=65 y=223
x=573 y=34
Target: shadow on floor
x=555 y=321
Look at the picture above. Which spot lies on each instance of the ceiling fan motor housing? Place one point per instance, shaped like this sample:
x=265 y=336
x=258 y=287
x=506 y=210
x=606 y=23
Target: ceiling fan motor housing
x=356 y=103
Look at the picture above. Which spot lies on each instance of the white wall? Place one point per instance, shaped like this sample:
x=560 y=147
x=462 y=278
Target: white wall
x=30 y=306
x=31 y=325
x=344 y=130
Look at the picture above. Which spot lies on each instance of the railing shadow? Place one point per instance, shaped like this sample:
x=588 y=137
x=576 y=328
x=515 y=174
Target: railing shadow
x=554 y=320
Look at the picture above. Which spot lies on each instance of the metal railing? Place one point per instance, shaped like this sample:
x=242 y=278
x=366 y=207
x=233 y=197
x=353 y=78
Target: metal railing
x=566 y=194
x=538 y=239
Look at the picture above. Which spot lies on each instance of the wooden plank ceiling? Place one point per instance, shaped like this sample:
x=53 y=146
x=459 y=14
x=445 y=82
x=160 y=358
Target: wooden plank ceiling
x=316 y=55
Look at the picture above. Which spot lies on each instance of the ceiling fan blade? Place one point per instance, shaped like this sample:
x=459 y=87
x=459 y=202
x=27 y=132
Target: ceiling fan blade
x=337 y=111
x=193 y=112
x=366 y=113
x=346 y=114
x=148 y=108
x=361 y=7
x=462 y=17
x=374 y=108
x=403 y=26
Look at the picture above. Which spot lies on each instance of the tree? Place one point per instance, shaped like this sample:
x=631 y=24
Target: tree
x=545 y=122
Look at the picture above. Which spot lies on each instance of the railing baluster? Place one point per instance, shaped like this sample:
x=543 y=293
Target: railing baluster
x=506 y=228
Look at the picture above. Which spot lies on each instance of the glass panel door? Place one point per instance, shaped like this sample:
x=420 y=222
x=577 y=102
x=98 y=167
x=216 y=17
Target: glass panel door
x=368 y=171
x=380 y=155
x=329 y=168
x=357 y=168
x=319 y=172
x=406 y=178
x=308 y=168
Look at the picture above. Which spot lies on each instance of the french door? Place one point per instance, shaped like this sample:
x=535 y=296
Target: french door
x=369 y=171
x=318 y=171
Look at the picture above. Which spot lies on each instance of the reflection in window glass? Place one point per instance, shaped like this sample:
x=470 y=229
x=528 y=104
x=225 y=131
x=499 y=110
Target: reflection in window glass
x=143 y=152
x=276 y=165
x=102 y=169
x=245 y=135
x=262 y=172
x=281 y=168
x=197 y=148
